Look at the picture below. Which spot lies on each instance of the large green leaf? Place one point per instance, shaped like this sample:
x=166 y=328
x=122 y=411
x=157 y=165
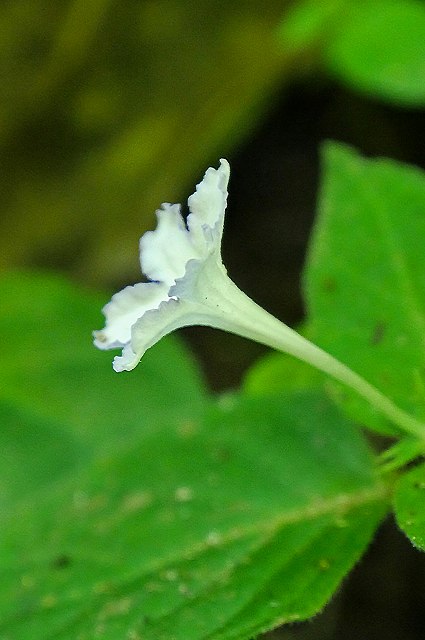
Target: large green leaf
x=34 y=452
x=60 y=399
x=51 y=369
x=410 y=505
x=246 y=519
x=379 y=47
x=365 y=276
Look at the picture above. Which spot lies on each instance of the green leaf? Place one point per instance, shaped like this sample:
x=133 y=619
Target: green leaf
x=60 y=399
x=34 y=453
x=400 y=454
x=307 y=21
x=245 y=520
x=379 y=48
x=51 y=369
x=365 y=275
x=409 y=503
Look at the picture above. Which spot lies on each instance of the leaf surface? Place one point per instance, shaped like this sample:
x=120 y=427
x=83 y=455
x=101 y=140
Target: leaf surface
x=409 y=505
x=379 y=48
x=51 y=369
x=60 y=401
x=244 y=519
x=365 y=275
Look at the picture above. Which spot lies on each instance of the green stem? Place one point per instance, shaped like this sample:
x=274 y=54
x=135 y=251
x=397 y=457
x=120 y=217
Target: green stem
x=241 y=315
x=400 y=454
x=308 y=352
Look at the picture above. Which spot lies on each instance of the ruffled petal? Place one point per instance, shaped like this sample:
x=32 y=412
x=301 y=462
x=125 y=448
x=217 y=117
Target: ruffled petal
x=207 y=207
x=165 y=251
x=151 y=327
x=140 y=315
x=124 y=309
x=126 y=361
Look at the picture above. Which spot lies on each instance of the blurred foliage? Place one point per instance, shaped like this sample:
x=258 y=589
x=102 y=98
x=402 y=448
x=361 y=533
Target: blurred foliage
x=110 y=107
x=56 y=376
x=374 y=47
x=379 y=48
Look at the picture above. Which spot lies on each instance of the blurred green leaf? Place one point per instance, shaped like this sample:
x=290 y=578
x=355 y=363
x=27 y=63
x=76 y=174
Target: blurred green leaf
x=308 y=21
x=400 y=454
x=379 y=48
x=277 y=372
x=409 y=502
x=249 y=519
x=365 y=275
x=34 y=453
x=51 y=369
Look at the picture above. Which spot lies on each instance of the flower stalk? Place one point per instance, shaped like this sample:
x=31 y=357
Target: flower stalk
x=237 y=313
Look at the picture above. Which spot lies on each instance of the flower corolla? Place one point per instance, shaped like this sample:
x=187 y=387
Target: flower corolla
x=188 y=283
x=182 y=260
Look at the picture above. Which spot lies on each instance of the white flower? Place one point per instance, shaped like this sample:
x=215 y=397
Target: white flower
x=174 y=258
x=189 y=284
